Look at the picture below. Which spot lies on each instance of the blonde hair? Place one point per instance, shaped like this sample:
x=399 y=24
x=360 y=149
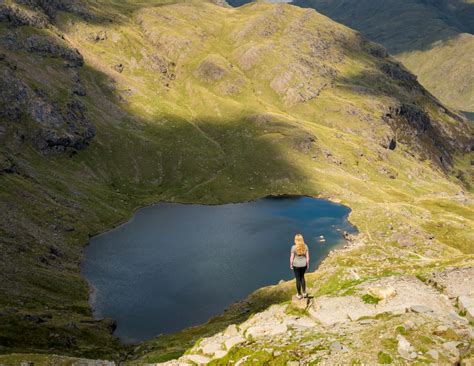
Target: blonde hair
x=300 y=245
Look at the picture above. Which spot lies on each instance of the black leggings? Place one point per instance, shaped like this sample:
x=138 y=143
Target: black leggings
x=300 y=282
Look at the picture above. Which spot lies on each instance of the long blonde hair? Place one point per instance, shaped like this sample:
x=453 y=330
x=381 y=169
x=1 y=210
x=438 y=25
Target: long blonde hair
x=300 y=245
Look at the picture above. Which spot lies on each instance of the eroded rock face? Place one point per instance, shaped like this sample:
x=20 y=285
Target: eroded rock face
x=55 y=128
x=19 y=17
x=48 y=47
x=414 y=126
x=211 y=70
x=52 y=7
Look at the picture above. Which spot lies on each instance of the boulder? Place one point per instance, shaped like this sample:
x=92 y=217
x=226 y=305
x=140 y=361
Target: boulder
x=384 y=293
x=198 y=359
x=405 y=349
x=265 y=330
x=211 y=348
x=231 y=342
x=466 y=304
x=212 y=69
x=421 y=309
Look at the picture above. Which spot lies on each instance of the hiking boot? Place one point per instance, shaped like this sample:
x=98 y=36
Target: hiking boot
x=305 y=295
x=299 y=296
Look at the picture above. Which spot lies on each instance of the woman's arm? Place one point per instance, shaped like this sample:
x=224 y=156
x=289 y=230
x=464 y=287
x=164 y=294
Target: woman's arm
x=307 y=258
x=292 y=256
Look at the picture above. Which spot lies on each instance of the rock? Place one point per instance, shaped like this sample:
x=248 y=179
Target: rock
x=392 y=144
x=266 y=330
x=199 y=359
x=18 y=17
x=276 y=353
x=421 y=309
x=242 y=360
x=231 y=331
x=293 y=363
x=382 y=293
x=100 y=36
x=219 y=354
x=336 y=346
x=404 y=348
x=409 y=325
x=231 y=342
x=119 y=68
x=433 y=354
x=440 y=330
x=457 y=318
x=27 y=363
x=48 y=46
x=33 y=319
x=451 y=347
x=466 y=304
x=211 y=348
x=302 y=303
x=212 y=69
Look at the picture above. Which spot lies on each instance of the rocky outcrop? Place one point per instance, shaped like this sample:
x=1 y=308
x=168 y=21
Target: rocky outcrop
x=212 y=69
x=16 y=17
x=46 y=46
x=415 y=127
x=56 y=128
x=52 y=7
x=319 y=329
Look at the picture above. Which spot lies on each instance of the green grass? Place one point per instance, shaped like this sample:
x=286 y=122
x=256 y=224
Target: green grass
x=384 y=358
x=369 y=299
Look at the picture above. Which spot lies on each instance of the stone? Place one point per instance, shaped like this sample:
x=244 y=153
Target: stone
x=231 y=342
x=433 y=354
x=451 y=347
x=420 y=309
x=466 y=304
x=231 y=331
x=211 y=348
x=276 y=353
x=404 y=348
x=242 y=360
x=119 y=68
x=266 y=330
x=440 y=330
x=459 y=319
x=220 y=354
x=200 y=360
x=382 y=292
x=300 y=303
x=293 y=363
x=336 y=346
x=409 y=325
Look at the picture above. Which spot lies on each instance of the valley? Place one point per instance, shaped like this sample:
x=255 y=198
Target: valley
x=108 y=106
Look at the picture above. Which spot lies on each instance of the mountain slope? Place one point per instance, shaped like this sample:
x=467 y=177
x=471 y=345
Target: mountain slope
x=108 y=106
x=421 y=34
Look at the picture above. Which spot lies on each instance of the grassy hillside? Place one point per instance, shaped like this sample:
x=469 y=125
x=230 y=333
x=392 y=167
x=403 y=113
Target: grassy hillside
x=437 y=68
x=112 y=105
x=429 y=37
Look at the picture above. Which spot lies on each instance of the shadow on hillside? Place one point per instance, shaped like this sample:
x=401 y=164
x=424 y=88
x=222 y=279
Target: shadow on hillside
x=410 y=122
x=400 y=26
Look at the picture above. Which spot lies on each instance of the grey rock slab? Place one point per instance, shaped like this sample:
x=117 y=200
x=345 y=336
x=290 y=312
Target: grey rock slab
x=421 y=309
x=433 y=354
x=466 y=303
x=336 y=346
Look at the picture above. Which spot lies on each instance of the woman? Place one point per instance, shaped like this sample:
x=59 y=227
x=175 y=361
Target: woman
x=299 y=262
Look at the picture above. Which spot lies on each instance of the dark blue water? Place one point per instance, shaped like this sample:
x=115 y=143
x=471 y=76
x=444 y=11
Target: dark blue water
x=469 y=116
x=173 y=265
